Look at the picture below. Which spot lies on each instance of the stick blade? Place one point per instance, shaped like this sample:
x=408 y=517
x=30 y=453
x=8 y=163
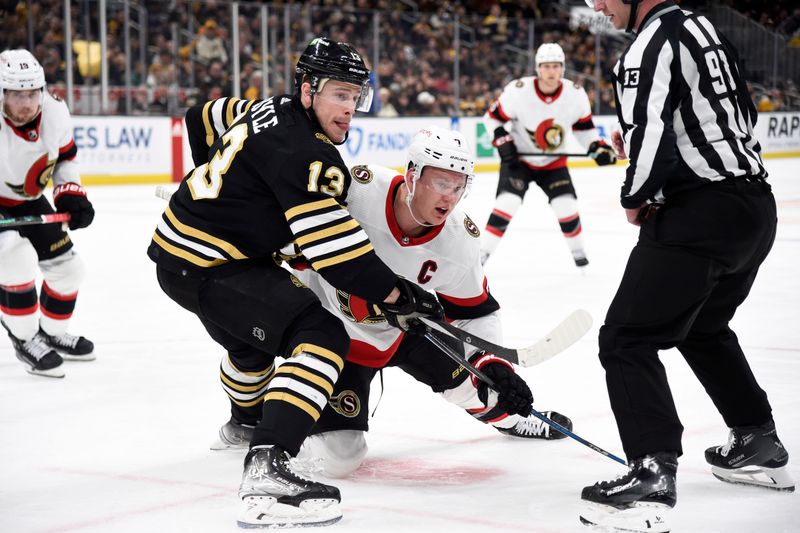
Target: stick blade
x=567 y=333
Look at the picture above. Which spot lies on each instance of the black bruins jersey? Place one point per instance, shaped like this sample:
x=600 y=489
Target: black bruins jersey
x=272 y=177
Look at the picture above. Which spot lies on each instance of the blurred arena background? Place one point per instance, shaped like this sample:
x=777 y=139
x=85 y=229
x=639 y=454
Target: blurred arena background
x=147 y=58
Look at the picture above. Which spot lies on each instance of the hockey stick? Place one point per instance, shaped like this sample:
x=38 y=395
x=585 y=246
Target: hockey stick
x=32 y=220
x=554 y=154
x=564 y=335
x=164 y=192
x=458 y=358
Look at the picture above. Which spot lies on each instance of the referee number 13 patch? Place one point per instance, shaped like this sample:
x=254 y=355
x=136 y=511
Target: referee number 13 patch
x=631 y=78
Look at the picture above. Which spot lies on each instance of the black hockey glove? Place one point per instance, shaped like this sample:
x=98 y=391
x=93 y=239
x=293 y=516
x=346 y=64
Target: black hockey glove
x=513 y=394
x=71 y=198
x=414 y=302
x=506 y=148
x=602 y=153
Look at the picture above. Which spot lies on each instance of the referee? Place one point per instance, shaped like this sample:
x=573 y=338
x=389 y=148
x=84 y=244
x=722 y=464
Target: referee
x=696 y=186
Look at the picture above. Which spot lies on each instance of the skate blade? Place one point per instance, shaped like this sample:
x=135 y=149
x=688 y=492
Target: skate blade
x=51 y=373
x=266 y=512
x=755 y=476
x=221 y=446
x=86 y=357
x=641 y=518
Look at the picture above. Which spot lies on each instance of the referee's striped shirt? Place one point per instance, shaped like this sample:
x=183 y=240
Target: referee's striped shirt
x=685 y=112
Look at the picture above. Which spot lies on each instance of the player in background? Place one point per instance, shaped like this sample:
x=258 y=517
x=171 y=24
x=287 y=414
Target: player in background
x=274 y=177
x=36 y=146
x=416 y=227
x=532 y=116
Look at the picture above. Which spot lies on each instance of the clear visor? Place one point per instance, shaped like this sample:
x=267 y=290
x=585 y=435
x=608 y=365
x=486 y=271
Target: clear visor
x=590 y=3
x=448 y=187
x=346 y=95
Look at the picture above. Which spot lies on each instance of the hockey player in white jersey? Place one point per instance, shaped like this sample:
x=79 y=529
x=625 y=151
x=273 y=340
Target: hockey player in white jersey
x=531 y=116
x=36 y=145
x=414 y=223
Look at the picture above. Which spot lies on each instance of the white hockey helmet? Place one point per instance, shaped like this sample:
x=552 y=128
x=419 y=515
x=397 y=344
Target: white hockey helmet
x=550 y=53
x=438 y=147
x=20 y=71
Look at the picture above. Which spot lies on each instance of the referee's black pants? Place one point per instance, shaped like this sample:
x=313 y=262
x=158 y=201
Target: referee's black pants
x=694 y=264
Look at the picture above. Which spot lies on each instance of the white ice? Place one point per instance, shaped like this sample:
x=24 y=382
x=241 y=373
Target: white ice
x=121 y=444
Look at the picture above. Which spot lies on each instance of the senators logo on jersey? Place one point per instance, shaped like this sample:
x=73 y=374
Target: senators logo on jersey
x=548 y=135
x=346 y=404
x=36 y=179
x=358 y=310
x=361 y=174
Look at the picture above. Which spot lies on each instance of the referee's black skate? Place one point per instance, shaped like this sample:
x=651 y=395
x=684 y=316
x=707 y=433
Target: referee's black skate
x=39 y=358
x=753 y=456
x=531 y=427
x=234 y=436
x=275 y=495
x=71 y=347
x=636 y=501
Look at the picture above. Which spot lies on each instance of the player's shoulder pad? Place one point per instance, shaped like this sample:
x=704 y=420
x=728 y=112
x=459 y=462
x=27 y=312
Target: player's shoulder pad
x=54 y=107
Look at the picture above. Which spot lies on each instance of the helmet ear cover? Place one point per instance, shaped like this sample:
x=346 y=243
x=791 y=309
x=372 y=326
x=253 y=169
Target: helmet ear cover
x=325 y=59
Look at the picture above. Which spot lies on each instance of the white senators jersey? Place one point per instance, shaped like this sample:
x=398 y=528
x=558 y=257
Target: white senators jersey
x=539 y=123
x=33 y=154
x=445 y=260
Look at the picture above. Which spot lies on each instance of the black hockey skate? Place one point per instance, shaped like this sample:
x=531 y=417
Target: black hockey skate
x=275 y=495
x=579 y=256
x=531 y=427
x=39 y=358
x=753 y=456
x=636 y=501
x=71 y=347
x=234 y=436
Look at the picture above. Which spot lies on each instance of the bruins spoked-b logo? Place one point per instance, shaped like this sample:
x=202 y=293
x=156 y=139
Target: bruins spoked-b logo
x=361 y=174
x=548 y=135
x=346 y=403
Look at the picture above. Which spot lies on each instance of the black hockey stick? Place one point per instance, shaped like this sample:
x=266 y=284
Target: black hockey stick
x=458 y=358
x=564 y=335
x=32 y=220
x=555 y=154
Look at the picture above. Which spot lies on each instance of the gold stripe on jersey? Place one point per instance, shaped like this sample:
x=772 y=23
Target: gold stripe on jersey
x=295 y=372
x=319 y=351
x=242 y=375
x=207 y=123
x=309 y=207
x=319 y=265
x=224 y=246
x=327 y=232
x=243 y=388
x=230 y=106
x=183 y=254
x=312 y=410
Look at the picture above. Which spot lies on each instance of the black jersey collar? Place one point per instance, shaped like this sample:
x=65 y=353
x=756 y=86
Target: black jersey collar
x=657 y=11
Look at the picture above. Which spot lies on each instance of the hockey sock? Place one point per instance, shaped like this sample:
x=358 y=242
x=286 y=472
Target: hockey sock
x=18 y=305
x=566 y=209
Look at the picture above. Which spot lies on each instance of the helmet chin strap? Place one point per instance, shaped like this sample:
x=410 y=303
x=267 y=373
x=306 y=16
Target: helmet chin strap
x=409 y=197
x=632 y=18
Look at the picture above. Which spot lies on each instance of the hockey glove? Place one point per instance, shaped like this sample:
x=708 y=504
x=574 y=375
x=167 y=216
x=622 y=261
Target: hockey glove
x=414 y=302
x=602 y=153
x=506 y=148
x=513 y=394
x=71 y=198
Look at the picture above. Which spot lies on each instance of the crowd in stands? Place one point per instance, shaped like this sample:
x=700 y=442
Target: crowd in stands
x=182 y=56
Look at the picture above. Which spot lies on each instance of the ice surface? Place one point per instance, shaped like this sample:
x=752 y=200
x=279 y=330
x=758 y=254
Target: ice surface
x=121 y=444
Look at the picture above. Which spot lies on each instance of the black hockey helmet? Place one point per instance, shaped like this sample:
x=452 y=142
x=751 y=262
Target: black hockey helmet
x=326 y=59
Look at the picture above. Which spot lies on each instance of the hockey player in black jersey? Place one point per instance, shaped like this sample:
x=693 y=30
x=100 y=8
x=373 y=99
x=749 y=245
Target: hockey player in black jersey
x=275 y=177
x=696 y=186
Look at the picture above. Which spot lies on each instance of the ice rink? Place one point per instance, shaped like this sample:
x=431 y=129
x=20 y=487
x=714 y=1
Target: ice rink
x=122 y=443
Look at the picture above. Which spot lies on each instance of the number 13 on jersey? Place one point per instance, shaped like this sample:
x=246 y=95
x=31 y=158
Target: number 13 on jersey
x=206 y=180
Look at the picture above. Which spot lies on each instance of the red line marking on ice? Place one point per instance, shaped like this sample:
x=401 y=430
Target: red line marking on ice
x=133 y=477
x=419 y=471
x=449 y=517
